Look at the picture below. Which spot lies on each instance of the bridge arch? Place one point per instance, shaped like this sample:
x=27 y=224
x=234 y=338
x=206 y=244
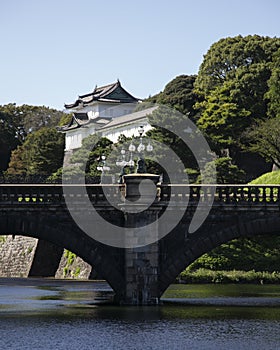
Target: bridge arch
x=207 y=239
x=65 y=234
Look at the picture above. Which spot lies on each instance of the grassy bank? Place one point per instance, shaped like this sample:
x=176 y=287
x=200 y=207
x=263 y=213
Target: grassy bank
x=236 y=276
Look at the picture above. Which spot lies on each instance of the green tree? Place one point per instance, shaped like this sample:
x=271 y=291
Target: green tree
x=168 y=117
x=90 y=153
x=41 y=154
x=222 y=119
x=85 y=160
x=11 y=132
x=226 y=171
x=37 y=117
x=264 y=139
x=232 y=83
x=273 y=94
x=65 y=119
x=225 y=58
x=179 y=94
x=16 y=122
x=17 y=165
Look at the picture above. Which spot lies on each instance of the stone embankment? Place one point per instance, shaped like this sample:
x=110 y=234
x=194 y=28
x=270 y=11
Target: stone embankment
x=17 y=254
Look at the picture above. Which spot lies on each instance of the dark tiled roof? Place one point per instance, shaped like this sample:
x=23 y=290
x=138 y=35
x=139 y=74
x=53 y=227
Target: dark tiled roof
x=81 y=119
x=129 y=118
x=113 y=93
x=105 y=123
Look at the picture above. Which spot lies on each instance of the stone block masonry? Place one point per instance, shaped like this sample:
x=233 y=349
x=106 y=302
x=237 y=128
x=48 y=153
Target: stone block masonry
x=72 y=266
x=16 y=255
x=22 y=256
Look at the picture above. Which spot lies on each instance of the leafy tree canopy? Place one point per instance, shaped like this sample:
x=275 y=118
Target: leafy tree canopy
x=90 y=153
x=226 y=171
x=225 y=57
x=170 y=117
x=16 y=122
x=11 y=132
x=41 y=154
x=179 y=94
x=233 y=84
x=84 y=161
x=223 y=119
x=264 y=139
x=273 y=94
x=30 y=118
x=37 y=117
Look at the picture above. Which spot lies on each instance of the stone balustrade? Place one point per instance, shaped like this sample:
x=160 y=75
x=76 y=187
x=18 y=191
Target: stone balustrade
x=221 y=194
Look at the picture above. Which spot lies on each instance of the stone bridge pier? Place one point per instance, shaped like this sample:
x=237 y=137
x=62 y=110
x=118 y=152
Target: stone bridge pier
x=141 y=267
x=141 y=262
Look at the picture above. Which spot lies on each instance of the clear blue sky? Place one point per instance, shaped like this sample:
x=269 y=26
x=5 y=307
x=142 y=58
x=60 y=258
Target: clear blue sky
x=53 y=50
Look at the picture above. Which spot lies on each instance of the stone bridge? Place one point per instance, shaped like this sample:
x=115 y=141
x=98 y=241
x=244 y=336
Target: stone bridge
x=140 y=275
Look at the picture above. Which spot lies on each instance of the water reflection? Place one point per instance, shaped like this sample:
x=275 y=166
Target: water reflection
x=40 y=314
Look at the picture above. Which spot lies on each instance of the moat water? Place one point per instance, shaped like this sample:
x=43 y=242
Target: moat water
x=52 y=314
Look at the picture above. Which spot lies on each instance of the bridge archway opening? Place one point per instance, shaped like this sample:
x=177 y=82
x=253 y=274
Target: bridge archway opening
x=259 y=253
x=41 y=246
x=208 y=239
x=25 y=256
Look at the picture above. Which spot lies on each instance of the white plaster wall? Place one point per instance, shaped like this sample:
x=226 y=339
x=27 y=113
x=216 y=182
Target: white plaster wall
x=106 y=110
x=129 y=130
x=115 y=111
x=73 y=139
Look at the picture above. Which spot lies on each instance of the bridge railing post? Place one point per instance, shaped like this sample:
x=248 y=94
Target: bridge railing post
x=242 y=194
x=271 y=195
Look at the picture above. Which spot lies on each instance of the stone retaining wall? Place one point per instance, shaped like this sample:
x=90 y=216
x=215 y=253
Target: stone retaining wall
x=72 y=266
x=17 y=254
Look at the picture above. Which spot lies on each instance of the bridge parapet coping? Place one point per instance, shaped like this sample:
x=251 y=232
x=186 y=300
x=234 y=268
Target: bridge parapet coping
x=233 y=194
x=222 y=194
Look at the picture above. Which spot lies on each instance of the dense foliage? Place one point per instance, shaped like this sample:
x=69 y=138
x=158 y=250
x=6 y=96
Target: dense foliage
x=236 y=82
x=226 y=171
x=203 y=275
x=263 y=138
x=16 y=122
x=41 y=154
x=237 y=57
x=179 y=94
x=237 y=87
x=274 y=87
x=84 y=161
x=259 y=254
